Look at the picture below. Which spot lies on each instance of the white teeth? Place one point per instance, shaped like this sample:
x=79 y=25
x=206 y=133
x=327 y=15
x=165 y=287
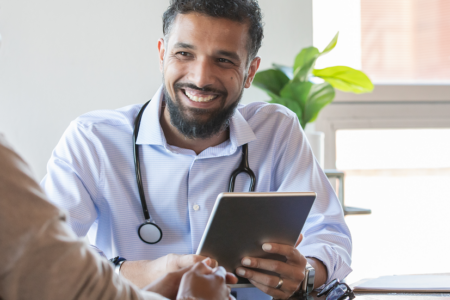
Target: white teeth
x=199 y=99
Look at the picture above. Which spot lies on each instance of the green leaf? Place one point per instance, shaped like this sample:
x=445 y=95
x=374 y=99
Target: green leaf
x=319 y=96
x=304 y=63
x=271 y=81
x=331 y=45
x=345 y=79
x=297 y=91
x=305 y=56
x=302 y=74
x=288 y=71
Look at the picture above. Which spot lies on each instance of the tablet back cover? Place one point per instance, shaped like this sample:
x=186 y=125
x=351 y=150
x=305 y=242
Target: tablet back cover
x=241 y=223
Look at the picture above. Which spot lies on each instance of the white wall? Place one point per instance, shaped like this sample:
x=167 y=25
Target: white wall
x=60 y=59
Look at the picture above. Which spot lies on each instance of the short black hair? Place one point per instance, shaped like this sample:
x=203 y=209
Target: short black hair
x=236 y=10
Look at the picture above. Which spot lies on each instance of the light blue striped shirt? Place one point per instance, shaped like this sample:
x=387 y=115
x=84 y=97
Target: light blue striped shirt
x=91 y=174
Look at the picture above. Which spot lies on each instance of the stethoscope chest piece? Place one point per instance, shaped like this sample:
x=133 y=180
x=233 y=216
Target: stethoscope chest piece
x=150 y=233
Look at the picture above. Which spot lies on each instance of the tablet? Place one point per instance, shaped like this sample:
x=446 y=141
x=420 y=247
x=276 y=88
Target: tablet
x=240 y=223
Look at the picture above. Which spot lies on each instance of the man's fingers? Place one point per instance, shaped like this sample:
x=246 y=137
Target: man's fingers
x=192 y=259
x=288 y=286
x=202 y=268
x=275 y=293
x=300 y=239
x=220 y=271
x=213 y=263
x=285 y=270
x=291 y=253
x=181 y=271
x=231 y=278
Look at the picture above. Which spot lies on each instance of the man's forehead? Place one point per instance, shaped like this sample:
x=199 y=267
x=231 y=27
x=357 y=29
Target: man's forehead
x=194 y=27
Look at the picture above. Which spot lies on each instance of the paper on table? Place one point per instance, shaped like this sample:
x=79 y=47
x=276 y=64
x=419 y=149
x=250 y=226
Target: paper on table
x=438 y=283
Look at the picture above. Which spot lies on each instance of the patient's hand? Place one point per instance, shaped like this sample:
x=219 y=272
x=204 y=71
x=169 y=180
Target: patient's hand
x=144 y=272
x=198 y=281
x=204 y=283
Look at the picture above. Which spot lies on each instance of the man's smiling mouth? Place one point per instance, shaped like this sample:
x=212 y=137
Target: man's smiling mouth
x=204 y=98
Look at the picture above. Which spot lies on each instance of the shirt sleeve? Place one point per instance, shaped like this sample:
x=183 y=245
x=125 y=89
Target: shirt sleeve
x=73 y=177
x=326 y=235
x=41 y=257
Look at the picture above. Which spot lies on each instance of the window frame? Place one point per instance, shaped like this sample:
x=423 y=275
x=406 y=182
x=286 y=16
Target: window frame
x=388 y=106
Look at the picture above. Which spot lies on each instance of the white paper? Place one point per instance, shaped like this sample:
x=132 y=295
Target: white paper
x=406 y=283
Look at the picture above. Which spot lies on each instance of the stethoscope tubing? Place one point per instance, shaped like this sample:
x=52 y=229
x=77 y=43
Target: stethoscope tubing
x=137 y=163
x=244 y=167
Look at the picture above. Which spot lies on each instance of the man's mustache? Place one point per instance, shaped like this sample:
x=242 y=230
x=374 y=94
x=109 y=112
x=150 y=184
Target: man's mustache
x=180 y=85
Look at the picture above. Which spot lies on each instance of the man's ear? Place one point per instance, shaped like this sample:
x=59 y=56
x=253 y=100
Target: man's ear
x=254 y=66
x=162 y=52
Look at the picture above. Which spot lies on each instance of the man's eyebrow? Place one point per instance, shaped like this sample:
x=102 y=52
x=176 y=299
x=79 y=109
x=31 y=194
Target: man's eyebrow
x=229 y=54
x=184 y=45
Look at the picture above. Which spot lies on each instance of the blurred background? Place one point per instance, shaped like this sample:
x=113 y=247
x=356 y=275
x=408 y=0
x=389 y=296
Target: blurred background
x=60 y=59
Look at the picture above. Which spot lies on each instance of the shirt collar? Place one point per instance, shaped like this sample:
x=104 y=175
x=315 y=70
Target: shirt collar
x=240 y=131
x=151 y=133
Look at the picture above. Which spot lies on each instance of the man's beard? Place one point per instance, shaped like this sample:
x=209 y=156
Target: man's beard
x=190 y=121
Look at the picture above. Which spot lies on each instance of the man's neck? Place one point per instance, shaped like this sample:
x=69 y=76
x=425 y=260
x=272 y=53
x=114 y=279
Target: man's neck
x=175 y=138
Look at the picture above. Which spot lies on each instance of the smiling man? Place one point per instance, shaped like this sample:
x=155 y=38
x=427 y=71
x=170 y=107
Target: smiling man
x=191 y=138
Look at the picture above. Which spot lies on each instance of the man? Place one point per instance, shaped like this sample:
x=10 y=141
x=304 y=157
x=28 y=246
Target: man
x=43 y=258
x=190 y=140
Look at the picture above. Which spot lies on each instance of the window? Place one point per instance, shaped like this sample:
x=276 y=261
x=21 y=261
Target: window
x=403 y=176
x=393 y=41
x=406 y=41
x=393 y=144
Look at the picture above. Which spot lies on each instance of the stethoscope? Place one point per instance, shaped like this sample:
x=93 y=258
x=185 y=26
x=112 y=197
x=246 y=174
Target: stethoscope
x=151 y=233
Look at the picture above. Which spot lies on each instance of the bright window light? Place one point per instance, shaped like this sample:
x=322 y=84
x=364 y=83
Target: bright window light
x=403 y=176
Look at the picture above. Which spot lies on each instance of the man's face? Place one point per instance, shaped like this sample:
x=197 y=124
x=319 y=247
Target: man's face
x=204 y=63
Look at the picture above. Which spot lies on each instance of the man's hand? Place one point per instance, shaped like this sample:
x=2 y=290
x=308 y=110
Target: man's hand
x=204 y=283
x=292 y=272
x=144 y=272
x=168 y=285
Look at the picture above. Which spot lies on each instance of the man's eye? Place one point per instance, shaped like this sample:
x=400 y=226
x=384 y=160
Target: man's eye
x=224 y=60
x=183 y=53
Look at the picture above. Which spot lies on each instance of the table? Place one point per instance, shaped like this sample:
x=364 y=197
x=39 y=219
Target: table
x=392 y=296
x=348 y=210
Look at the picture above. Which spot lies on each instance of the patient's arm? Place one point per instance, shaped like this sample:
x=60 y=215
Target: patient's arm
x=144 y=272
x=42 y=258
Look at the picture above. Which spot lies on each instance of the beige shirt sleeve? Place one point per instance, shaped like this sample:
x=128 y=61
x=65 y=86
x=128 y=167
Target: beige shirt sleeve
x=41 y=258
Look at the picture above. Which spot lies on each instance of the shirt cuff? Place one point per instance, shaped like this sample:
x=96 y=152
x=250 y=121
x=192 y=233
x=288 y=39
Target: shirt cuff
x=333 y=261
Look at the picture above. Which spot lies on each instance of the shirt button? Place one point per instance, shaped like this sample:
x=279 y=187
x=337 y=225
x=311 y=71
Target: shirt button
x=196 y=207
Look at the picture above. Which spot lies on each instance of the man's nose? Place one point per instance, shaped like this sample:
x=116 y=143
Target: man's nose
x=202 y=73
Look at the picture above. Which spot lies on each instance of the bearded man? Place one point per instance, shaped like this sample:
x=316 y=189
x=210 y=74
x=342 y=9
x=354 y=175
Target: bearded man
x=190 y=140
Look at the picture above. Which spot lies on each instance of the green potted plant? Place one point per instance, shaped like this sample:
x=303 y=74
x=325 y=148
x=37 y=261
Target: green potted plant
x=306 y=90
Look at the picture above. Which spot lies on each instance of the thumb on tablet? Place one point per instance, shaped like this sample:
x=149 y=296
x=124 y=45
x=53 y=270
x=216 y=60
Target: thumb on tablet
x=300 y=238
